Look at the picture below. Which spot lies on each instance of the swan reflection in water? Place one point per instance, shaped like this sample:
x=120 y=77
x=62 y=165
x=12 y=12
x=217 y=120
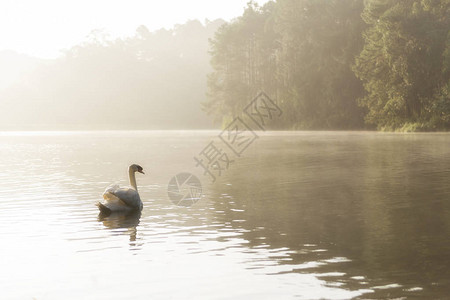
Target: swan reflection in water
x=129 y=220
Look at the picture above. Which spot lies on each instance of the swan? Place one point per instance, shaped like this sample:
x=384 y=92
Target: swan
x=122 y=199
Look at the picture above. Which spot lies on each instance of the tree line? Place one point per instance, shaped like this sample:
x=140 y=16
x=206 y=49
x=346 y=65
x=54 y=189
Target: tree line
x=337 y=64
x=151 y=80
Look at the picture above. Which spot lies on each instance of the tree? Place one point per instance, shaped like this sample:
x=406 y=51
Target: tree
x=299 y=52
x=242 y=61
x=403 y=64
x=319 y=41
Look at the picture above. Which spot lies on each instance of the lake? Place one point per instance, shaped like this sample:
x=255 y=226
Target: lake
x=301 y=215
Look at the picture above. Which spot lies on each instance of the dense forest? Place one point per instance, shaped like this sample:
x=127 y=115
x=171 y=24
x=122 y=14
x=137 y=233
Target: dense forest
x=337 y=64
x=329 y=64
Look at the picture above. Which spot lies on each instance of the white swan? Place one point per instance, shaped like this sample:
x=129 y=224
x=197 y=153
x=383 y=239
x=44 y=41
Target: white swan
x=122 y=199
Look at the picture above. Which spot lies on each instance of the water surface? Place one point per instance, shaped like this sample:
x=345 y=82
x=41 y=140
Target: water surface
x=306 y=215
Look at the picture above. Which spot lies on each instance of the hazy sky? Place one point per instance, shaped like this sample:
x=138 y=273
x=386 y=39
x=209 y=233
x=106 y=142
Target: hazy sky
x=41 y=28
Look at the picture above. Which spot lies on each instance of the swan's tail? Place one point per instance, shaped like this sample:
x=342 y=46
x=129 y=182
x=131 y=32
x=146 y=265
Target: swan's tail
x=103 y=209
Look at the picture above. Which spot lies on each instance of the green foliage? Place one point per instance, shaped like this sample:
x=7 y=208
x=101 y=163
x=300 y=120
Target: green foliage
x=319 y=40
x=403 y=64
x=242 y=61
x=299 y=52
x=331 y=64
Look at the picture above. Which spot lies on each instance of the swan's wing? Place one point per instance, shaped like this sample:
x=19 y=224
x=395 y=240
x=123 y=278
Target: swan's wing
x=108 y=194
x=113 y=206
x=112 y=187
x=129 y=196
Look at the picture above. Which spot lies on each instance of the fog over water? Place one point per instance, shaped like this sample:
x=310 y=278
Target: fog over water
x=307 y=215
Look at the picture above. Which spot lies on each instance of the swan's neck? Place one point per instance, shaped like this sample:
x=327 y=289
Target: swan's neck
x=132 y=176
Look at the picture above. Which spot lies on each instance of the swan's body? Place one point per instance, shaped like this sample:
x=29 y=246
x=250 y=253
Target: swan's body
x=122 y=199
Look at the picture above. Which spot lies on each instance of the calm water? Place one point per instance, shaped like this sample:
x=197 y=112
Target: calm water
x=308 y=215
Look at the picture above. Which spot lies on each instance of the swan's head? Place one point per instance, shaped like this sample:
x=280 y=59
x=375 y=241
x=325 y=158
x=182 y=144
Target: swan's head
x=136 y=168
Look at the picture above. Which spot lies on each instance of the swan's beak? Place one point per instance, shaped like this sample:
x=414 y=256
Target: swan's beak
x=141 y=172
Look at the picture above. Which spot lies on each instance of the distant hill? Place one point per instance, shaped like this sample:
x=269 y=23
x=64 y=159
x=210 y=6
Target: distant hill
x=153 y=80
